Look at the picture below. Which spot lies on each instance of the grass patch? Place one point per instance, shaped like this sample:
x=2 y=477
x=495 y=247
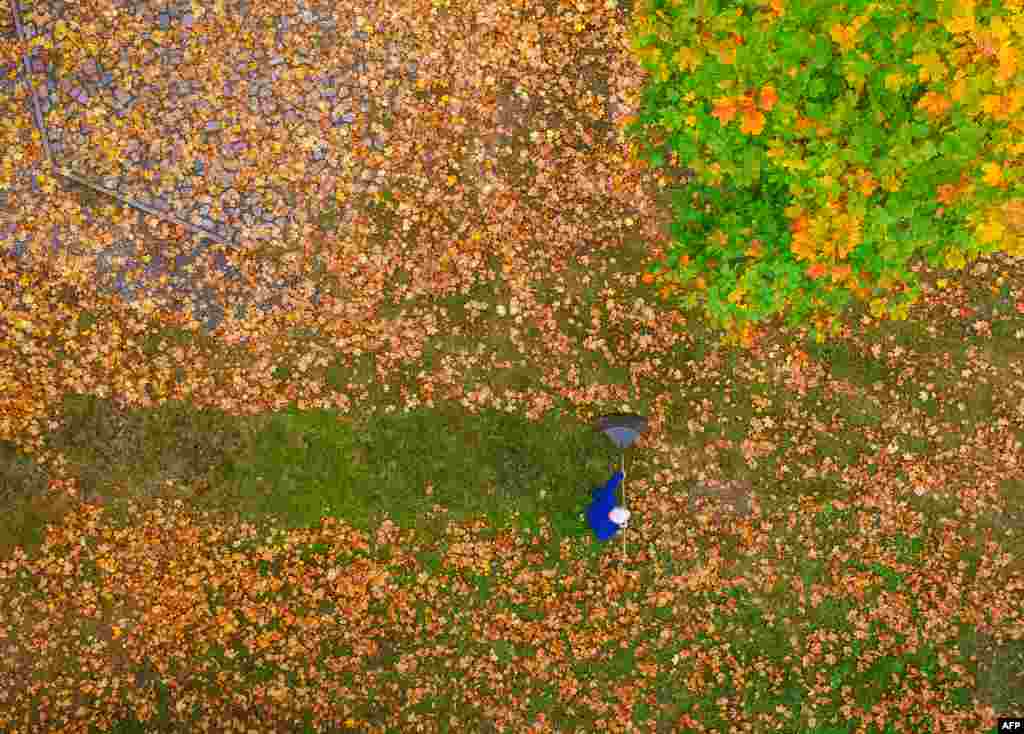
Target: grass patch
x=301 y=466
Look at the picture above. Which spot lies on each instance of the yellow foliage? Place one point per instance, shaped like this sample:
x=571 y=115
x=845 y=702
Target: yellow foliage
x=935 y=104
x=797 y=163
x=932 y=67
x=993 y=174
x=955 y=260
x=753 y=122
x=845 y=36
x=893 y=82
x=991 y=231
x=1008 y=63
x=960 y=24
x=891 y=183
x=900 y=312
x=688 y=58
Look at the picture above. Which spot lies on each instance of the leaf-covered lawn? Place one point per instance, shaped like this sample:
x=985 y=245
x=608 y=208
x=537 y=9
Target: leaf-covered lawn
x=367 y=515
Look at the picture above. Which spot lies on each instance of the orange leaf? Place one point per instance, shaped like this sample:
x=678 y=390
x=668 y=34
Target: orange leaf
x=753 y=123
x=841 y=273
x=725 y=110
x=816 y=270
x=947 y=192
x=648 y=278
x=798 y=225
x=768 y=98
x=934 y=104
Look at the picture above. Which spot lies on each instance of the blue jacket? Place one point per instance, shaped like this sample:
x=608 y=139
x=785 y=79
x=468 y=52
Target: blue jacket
x=603 y=503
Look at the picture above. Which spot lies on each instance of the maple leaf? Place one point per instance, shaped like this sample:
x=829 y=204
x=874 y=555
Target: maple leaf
x=688 y=58
x=725 y=109
x=993 y=174
x=841 y=273
x=934 y=103
x=1014 y=212
x=991 y=231
x=996 y=105
x=1008 y=63
x=727 y=54
x=768 y=98
x=867 y=184
x=803 y=246
x=753 y=122
x=799 y=224
x=845 y=36
x=960 y=24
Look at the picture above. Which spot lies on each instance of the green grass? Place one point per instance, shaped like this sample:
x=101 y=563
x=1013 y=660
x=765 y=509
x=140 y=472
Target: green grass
x=303 y=465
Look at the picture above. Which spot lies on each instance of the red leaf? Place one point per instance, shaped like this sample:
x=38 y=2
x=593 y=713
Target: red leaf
x=816 y=270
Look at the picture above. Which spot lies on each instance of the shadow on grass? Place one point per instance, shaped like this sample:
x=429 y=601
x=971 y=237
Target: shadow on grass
x=304 y=465
x=292 y=468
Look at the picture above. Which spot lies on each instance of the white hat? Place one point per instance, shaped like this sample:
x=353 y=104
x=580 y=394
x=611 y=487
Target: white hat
x=619 y=516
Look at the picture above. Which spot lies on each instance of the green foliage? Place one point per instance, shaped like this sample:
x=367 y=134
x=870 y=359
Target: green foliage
x=832 y=144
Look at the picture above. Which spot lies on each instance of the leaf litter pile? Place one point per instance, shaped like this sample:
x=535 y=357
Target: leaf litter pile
x=513 y=213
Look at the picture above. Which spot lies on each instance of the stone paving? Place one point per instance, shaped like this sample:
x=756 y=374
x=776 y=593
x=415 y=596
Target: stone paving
x=197 y=131
x=166 y=177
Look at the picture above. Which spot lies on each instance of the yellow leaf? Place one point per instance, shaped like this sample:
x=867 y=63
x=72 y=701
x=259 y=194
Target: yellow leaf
x=955 y=260
x=993 y=174
x=958 y=90
x=1008 y=65
x=687 y=58
x=931 y=66
x=891 y=184
x=893 y=82
x=991 y=231
x=845 y=36
x=992 y=105
x=855 y=80
x=999 y=29
x=1017 y=23
x=960 y=24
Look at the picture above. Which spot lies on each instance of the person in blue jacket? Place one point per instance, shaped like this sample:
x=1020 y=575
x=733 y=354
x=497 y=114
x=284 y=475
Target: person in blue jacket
x=603 y=516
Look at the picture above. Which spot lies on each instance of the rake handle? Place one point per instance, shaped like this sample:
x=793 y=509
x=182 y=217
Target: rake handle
x=623 y=504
